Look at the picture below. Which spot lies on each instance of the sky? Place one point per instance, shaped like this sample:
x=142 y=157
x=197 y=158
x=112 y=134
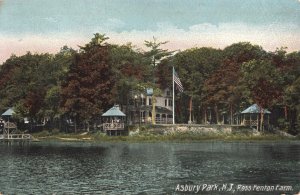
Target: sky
x=47 y=25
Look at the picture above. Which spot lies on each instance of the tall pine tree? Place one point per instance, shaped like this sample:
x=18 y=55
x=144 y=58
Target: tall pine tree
x=87 y=91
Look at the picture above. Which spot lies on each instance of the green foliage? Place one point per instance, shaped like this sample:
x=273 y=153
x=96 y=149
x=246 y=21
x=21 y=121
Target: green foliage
x=264 y=82
x=81 y=85
x=25 y=81
x=155 y=136
x=97 y=40
x=51 y=102
x=130 y=71
x=86 y=93
x=194 y=66
x=156 y=53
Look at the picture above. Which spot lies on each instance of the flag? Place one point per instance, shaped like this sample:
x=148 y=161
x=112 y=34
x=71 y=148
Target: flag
x=177 y=81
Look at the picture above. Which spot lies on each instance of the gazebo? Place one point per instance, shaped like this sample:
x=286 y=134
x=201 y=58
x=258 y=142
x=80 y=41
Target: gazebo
x=114 y=121
x=8 y=125
x=250 y=116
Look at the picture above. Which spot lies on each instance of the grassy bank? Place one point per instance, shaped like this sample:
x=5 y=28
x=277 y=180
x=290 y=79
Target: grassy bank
x=144 y=136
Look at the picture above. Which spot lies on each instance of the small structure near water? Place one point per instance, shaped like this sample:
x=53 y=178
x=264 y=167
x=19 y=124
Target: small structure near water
x=114 y=121
x=9 y=128
x=8 y=125
x=251 y=115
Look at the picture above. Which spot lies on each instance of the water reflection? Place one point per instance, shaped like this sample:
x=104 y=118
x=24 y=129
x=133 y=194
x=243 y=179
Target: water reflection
x=142 y=168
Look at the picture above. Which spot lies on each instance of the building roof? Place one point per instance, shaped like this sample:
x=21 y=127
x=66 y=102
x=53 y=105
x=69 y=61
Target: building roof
x=114 y=111
x=8 y=112
x=255 y=109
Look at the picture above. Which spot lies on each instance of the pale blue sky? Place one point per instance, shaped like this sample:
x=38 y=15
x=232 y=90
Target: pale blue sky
x=46 y=25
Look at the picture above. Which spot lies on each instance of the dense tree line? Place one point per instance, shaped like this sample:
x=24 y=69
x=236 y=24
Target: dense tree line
x=78 y=86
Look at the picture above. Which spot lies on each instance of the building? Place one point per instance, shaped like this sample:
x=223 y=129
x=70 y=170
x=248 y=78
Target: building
x=252 y=115
x=114 y=121
x=140 y=108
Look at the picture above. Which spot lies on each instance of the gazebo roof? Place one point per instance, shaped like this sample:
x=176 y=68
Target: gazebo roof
x=114 y=111
x=255 y=109
x=8 y=112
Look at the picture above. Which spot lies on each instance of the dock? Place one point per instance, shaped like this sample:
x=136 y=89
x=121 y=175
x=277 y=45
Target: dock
x=16 y=137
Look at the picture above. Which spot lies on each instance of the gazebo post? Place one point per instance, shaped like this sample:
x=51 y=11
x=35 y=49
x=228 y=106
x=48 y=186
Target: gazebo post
x=8 y=128
x=268 y=121
x=257 y=125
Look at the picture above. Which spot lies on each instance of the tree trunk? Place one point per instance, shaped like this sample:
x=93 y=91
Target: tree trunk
x=190 y=117
x=76 y=120
x=285 y=112
x=205 y=115
x=257 y=120
x=261 y=119
x=217 y=113
x=231 y=114
x=59 y=124
x=153 y=110
x=75 y=126
x=292 y=120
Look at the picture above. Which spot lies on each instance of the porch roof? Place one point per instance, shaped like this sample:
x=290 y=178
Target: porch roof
x=8 y=112
x=255 y=109
x=114 y=111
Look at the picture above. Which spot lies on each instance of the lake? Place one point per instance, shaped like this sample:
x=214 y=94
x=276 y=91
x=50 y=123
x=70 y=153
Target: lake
x=211 y=167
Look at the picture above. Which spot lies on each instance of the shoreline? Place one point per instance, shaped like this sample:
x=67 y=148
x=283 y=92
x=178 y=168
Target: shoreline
x=148 y=136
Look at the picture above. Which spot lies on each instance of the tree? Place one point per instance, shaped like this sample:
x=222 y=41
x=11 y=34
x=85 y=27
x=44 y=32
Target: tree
x=223 y=89
x=30 y=76
x=194 y=66
x=288 y=66
x=87 y=90
x=51 y=104
x=262 y=80
x=130 y=70
x=155 y=55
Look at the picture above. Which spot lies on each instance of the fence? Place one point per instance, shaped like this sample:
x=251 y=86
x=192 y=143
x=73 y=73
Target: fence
x=113 y=126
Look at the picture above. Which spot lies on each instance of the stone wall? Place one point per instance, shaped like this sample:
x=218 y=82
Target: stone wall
x=206 y=129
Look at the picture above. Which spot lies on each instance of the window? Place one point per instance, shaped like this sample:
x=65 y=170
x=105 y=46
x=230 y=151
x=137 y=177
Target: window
x=166 y=102
x=168 y=92
x=131 y=102
x=143 y=101
x=150 y=101
x=170 y=103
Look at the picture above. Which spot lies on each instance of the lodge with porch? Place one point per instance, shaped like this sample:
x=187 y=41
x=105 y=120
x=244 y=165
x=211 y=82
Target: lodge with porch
x=141 y=106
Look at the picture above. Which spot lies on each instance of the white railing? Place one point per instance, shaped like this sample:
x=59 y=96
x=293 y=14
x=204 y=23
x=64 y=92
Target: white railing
x=113 y=126
x=16 y=136
x=250 y=123
x=157 y=120
x=163 y=120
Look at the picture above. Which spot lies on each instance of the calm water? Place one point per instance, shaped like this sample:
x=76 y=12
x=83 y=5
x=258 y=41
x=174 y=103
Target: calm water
x=144 y=168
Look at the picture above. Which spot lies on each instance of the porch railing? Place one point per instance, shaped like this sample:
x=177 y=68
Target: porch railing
x=113 y=126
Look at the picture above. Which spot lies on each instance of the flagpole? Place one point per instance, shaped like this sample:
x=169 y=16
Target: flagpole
x=173 y=96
